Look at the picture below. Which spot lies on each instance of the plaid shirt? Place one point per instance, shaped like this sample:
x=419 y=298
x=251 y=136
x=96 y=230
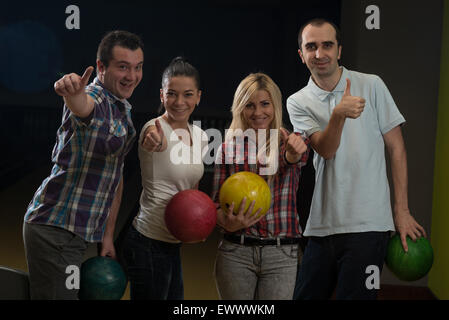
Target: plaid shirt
x=281 y=220
x=88 y=163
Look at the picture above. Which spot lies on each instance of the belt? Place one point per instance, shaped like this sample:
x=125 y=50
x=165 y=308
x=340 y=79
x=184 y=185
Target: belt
x=251 y=241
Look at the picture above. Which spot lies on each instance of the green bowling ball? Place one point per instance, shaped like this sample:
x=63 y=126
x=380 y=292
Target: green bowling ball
x=101 y=278
x=414 y=264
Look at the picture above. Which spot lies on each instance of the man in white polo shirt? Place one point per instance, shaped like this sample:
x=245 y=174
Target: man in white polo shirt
x=349 y=118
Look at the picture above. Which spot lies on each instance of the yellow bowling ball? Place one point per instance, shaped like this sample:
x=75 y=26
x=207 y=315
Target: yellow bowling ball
x=245 y=184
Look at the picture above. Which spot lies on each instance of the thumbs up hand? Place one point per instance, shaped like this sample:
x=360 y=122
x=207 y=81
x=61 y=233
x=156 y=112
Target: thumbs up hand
x=72 y=84
x=294 y=146
x=350 y=106
x=71 y=88
x=154 y=140
x=348 y=88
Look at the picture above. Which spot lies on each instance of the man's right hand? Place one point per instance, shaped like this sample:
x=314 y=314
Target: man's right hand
x=350 y=106
x=72 y=84
x=326 y=142
x=71 y=87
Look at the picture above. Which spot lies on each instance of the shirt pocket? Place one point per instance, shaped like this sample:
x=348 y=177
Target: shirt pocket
x=107 y=139
x=116 y=140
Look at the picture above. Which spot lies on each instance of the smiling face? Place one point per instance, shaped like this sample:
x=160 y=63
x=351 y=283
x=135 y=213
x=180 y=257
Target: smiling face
x=123 y=73
x=320 y=50
x=259 y=110
x=179 y=97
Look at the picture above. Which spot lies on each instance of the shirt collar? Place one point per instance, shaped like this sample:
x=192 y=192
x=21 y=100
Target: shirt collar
x=323 y=94
x=114 y=99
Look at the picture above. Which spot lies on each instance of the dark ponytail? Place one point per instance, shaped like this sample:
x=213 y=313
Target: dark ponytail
x=180 y=67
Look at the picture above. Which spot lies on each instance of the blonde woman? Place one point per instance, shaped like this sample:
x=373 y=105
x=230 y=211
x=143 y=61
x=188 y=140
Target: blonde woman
x=257 y=257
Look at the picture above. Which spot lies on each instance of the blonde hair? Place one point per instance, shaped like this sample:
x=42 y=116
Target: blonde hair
x=246 y=89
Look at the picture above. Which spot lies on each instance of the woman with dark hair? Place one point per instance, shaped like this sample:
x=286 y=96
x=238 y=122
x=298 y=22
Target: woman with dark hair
x=151 y=252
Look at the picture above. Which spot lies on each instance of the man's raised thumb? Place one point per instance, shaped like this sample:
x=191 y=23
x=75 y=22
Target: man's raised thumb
x=348 y=88
x=86 y=75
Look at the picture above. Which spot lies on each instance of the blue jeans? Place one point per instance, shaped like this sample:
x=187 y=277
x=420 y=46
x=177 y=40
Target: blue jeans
x=339 y=262
x=153 y=268
x=256 y=272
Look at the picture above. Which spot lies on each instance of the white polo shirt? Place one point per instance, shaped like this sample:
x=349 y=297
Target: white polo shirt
x=351 y=190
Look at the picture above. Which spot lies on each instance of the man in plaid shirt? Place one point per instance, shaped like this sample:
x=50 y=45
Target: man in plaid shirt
x=79 y=201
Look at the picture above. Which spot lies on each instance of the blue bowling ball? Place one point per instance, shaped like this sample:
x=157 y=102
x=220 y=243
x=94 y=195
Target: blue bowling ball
x=101 y=278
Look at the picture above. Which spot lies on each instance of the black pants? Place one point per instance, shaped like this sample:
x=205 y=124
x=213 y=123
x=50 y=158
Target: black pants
x=341 y=262
x=153 y=267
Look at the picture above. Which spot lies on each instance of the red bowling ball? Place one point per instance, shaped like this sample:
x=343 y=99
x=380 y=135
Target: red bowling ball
x=190 y=215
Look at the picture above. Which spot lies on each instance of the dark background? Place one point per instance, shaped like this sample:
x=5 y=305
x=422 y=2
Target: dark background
x=225 y=40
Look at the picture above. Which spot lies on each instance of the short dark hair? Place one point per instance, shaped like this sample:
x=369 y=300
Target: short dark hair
x=180 y=67
x=318 y=22
x=114 y=38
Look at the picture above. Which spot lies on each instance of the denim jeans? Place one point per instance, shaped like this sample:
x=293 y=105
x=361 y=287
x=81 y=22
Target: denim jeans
x=256 y=272
x=339 y=262
x=153 y=268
